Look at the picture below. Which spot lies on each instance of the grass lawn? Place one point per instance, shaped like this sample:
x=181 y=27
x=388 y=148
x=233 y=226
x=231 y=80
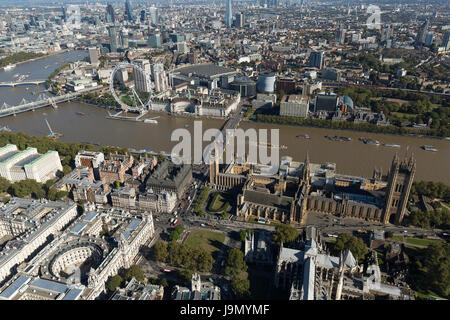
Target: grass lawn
x=402 y=115
x=420 y=242
x=208 y=240
x=218 y=203
x=415 y=241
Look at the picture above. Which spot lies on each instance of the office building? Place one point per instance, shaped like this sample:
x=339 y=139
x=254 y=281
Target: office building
x=93 y=56
x=154 y=40
x=286 y=85
x=228 y=15
x=170 y=177
x=331 y=74
x=245 y=85
x=124 y=39
x=143 y=16
x=422 y=33
x=153 y=12
x=113 y=39
x=294 y=106
x=340 y=35
x=176 y=37
x=266 y=82
x=110 y=15
x=142 y=80
x=128 y=11
x=29 y=223
x=326 y=102
x=16 y=165
x=64 y=13
x=429 y=39
x=446 y=41
x=159 y=77
x=182 y=47
x=316 y=59
x=69 y=263
x=239 y=22
x=90 y=159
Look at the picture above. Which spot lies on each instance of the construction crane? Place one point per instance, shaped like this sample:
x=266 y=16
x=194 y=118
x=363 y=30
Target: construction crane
x=52 y=135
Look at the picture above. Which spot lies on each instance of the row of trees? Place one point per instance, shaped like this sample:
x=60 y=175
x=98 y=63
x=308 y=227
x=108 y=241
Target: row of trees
x=184 y=256
x=29 y=187
x=423 y=106
x=430 y=269
x=201 y=199
x=124 y=276
x=431 y=189
x=19 y=57
x=236 y=267
x=435 y=219
x=367 y=127
x=105 y=99
x=176 y=233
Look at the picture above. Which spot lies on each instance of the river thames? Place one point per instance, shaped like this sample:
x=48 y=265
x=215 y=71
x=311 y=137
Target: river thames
x=351 y=157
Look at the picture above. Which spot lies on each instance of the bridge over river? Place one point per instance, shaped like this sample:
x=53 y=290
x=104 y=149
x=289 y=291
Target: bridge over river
x=41 y=102
x=21 y=83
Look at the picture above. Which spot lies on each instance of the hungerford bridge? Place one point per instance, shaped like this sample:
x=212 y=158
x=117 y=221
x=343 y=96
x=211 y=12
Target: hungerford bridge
x=42 y=101
x=21 y=83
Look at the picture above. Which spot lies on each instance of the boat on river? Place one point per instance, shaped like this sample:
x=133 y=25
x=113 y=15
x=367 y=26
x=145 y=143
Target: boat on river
x=429 y=148
x=338 y=138
x=391 y=145
x=370 y=141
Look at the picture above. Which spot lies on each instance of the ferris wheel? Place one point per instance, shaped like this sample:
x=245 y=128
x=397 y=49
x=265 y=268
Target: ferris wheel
x=140 y=106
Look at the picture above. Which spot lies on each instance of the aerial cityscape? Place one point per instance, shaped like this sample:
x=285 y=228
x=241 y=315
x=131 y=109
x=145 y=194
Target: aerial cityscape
x=224 y=150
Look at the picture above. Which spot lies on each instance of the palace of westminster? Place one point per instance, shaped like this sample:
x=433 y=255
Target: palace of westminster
x=300 y=188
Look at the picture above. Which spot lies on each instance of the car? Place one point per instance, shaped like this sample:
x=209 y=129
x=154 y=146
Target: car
x=405 y=231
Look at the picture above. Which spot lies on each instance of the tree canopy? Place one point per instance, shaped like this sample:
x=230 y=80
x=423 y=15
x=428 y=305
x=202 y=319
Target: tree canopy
x=176 y=233
x=240 y=286
x=285 y=233
x=356 y=245
x=181 y=255
x=134 y=271
x=235 y=262
x=436 y=266
x=113 y=283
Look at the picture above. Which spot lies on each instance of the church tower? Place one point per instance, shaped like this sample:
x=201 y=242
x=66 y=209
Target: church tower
x=400 y=179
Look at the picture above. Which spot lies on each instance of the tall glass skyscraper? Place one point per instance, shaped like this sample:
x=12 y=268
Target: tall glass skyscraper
x=128 y=11
x=110 y=16
x=229 y=15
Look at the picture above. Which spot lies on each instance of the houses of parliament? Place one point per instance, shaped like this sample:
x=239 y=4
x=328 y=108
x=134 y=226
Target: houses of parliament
x=302 y=188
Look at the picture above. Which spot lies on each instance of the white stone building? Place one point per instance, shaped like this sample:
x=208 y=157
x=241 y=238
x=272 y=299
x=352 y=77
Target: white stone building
x=16 y=165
